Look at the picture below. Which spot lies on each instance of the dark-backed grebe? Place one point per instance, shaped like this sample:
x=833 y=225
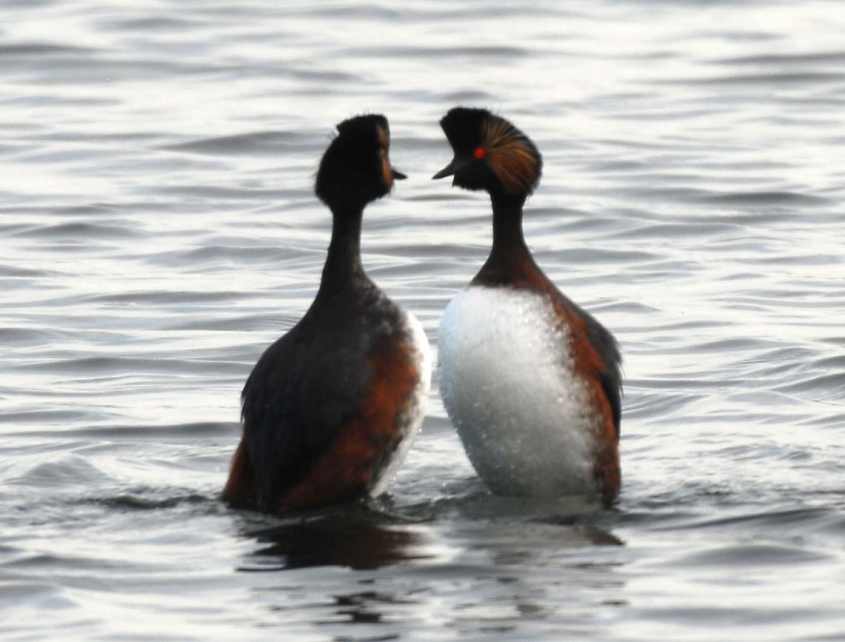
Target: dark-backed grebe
x=330 y=408
x=531 y=381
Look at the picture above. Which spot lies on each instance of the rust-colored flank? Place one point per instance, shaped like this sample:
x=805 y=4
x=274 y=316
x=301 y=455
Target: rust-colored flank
x=240 y=487
x=353 y=463
x=589 y=365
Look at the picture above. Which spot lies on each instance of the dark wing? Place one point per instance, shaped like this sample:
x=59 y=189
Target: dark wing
x=605 y=346
x=293 y=403
x=611 y=377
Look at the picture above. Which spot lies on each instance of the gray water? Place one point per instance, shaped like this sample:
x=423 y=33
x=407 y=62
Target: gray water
x=158 y=231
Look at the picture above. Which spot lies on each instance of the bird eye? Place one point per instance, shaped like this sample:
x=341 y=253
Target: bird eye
x=479 y=153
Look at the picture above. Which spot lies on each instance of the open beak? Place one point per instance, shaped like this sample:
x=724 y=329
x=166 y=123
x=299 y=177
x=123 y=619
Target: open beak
x=397 y=175
x=450 y=169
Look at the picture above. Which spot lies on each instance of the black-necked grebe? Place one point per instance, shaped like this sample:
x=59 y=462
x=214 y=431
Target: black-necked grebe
x=531 y=381
x=330 y=408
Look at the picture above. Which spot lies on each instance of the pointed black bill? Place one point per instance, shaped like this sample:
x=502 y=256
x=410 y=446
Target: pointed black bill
x=448 y=170
x=397 y=175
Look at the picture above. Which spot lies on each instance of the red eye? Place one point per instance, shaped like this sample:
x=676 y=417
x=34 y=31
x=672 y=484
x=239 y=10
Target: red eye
x=479 y=153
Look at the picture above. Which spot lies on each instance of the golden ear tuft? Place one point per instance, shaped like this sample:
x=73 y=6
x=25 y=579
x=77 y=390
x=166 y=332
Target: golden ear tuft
x=383 y=137
x=383 y=150
x=512 y=156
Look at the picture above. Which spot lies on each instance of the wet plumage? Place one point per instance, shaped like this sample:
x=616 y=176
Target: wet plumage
x=330 y=408
x=531 y=381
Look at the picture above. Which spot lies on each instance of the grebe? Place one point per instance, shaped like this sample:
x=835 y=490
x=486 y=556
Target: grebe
x=530 y=380
x=331 y=407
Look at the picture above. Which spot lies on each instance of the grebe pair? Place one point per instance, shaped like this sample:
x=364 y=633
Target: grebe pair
x=530 y=380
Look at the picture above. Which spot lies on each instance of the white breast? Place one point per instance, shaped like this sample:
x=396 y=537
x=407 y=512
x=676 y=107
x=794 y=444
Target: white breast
x=508 y=383
x=414 y=413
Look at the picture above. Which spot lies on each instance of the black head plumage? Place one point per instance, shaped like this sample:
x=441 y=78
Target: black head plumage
x=355 y=168
x=490 y=153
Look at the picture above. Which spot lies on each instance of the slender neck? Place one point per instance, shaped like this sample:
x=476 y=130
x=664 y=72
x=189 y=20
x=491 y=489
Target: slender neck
x=510 y=260
x=343 y=262
x=507 y=225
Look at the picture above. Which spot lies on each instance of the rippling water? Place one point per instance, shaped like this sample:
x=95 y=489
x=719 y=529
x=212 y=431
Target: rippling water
x=158 y=230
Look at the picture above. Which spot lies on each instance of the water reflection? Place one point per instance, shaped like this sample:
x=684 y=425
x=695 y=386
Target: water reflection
x=159 y=228
x=351 y=538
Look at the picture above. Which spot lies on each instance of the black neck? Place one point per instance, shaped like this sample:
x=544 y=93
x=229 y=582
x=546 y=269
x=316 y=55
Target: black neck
x=509 y=254
x=343 y=262
x=507 y=225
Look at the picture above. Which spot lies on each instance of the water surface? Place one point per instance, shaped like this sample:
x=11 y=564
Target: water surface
x=158 y=231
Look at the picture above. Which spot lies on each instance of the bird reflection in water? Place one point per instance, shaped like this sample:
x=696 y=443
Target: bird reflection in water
x=368 y=607
x=354 y=538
